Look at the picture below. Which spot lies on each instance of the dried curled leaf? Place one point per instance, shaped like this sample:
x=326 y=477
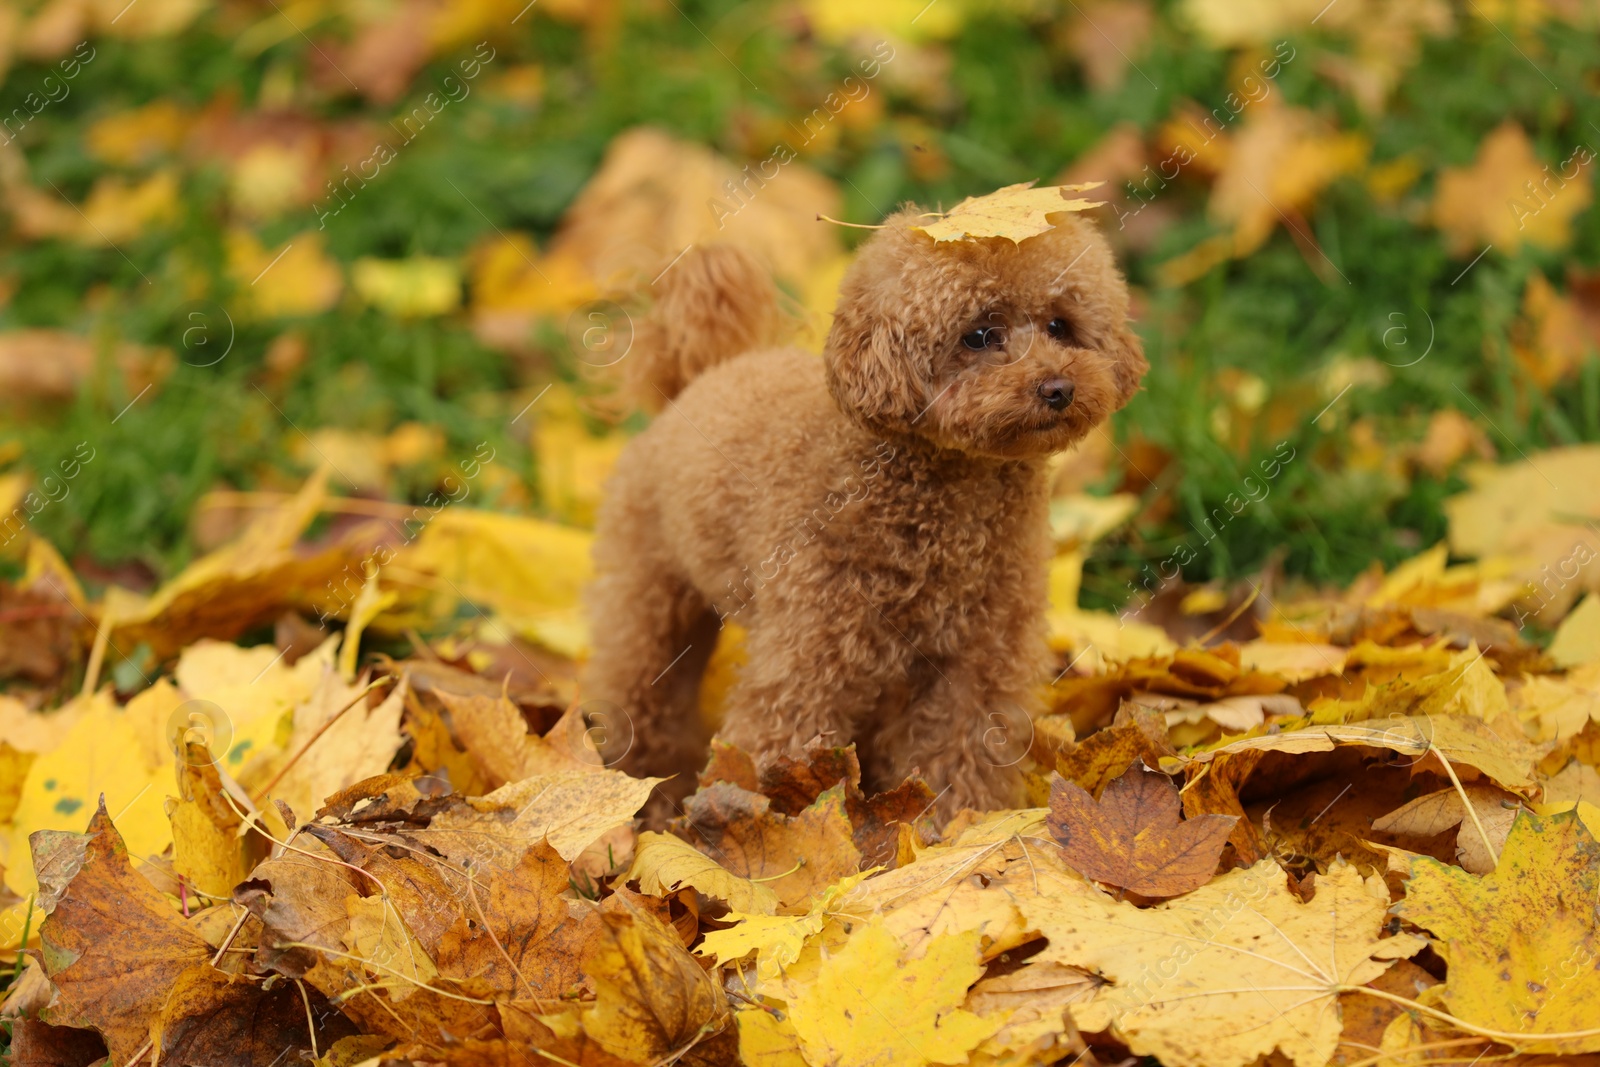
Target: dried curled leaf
x=653 y=999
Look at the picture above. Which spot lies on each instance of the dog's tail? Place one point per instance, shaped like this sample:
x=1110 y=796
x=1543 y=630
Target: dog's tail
x=714 y=303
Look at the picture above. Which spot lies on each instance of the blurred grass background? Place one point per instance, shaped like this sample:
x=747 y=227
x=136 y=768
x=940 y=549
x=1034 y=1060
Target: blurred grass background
x=1385 y=193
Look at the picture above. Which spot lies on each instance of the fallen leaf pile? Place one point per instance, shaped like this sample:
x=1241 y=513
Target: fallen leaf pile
x=1362 y=835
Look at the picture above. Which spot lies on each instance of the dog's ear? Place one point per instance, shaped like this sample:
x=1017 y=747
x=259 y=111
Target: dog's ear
x=1127 y=348
x=873 y=369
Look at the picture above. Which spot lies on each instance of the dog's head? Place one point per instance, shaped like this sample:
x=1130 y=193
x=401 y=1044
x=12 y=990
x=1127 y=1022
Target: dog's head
x=1003 y=350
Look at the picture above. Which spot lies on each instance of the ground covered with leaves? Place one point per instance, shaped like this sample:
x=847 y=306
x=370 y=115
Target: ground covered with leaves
x=1364 y=833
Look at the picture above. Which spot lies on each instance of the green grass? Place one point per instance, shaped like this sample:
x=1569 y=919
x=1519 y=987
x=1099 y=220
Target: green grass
x=1019 y=109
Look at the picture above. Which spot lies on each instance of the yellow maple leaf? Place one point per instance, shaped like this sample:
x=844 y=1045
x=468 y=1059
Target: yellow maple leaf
x=526 y=571
x=1522 y=941
x=1016 y=212
x=1508 y=196
x=295 y=279
x=117 y=211
x=1577 y=640
x=111 y=752
x=269 y=178
x=1555 y=708
x=379 y=936
x=1225 y=974
x=409 y=288
x=1281 y=159
x=663 y=864
x=777 y=940
x=128 y=138
x=867 y=1006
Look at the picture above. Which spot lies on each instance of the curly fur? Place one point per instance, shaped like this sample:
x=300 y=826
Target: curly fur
x=877 y=519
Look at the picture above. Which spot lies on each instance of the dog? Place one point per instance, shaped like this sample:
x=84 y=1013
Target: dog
x=876 y=519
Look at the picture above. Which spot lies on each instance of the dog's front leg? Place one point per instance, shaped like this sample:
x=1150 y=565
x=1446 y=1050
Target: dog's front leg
x=965 y=736
x=814 y=668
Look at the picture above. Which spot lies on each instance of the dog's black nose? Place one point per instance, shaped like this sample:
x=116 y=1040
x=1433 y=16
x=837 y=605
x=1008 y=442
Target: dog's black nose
x=1056 y=392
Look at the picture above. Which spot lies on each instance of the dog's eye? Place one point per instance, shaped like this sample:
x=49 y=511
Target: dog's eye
x=1059 y=329
x=977 y=340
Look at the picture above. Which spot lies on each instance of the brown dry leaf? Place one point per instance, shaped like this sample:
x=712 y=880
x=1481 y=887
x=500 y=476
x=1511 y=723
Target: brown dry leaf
x=334 y=750
x=649 y=200
x=423 y=890
x=795 y=784
x=796 y=856
x=1366 y=1018
x=1482 y=833
x=1488 y=202
x=494 y=733
x=1016 y=213
x=1317 y=808
x=1451 y=437
x=1032 y=1001
x=1557 y=331
x=1213 y=789
x=1107 y=36
x=225 y=1020
x=247 y=583
x=1132 y=837
x=1281 y=160
x=39 y=1043
x=572 y=809
x=653 y=1000
x=53 y=365
x=1228 y=973
x=1137 y=734
x=299 y=899
x=522 y=935
x=112 y=944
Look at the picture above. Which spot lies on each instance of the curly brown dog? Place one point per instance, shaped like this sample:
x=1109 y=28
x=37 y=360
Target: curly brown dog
x=877 y=518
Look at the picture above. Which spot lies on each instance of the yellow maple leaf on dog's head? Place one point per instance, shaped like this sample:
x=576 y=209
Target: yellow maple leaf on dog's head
x=1016 y=212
